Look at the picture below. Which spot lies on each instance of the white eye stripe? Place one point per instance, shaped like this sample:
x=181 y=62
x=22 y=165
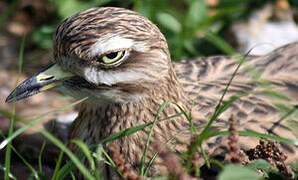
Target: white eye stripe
x=110 y=78
x=110 y=43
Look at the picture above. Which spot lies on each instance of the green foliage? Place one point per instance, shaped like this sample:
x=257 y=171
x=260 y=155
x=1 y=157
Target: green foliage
x=294 y=166
x=188 y=26
x=43 y=36
x=67 y=8
x=262 y=165
x=169 y=22
x=236 y=172
x=7 y=12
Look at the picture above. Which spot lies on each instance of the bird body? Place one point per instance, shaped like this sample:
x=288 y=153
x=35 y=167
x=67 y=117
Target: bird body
x=120 y=60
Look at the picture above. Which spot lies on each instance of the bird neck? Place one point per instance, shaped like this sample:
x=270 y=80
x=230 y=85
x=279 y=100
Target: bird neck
x=95 y=123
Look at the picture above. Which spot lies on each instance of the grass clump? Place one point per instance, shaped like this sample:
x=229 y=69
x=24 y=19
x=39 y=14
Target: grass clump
x=184 y=167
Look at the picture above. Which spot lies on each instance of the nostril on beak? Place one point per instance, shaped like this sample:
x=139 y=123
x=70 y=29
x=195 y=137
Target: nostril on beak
x=48 y=78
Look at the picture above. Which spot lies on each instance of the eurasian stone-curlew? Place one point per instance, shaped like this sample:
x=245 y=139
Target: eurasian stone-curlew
x=120 y=60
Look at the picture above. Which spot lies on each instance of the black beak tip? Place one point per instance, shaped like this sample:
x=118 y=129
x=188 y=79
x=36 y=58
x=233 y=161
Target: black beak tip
x=9 y=98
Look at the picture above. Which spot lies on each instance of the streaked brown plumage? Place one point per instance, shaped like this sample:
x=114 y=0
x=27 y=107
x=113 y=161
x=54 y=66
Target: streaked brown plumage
x=129 y=93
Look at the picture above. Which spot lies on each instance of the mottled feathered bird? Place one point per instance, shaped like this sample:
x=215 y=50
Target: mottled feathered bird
x=120 y=60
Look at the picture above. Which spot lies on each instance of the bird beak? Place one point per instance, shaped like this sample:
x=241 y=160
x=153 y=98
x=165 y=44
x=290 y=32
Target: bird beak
x=48 y=78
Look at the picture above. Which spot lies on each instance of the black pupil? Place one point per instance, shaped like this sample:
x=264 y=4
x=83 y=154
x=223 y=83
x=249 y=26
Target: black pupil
x=112 y=55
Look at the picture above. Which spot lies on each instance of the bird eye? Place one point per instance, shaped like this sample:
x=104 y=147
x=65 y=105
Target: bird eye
x=112 y=58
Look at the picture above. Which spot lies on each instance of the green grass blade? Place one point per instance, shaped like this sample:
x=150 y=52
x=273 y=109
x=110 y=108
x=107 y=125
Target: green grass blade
x=188 y=117
x=10 y=115
x=134 y=129
x=9 y=174
x=65 y=170
x=207 y=132
x=86 y=152
x=196 y=13
x=73 y=158
x=275 y=94
x=40 y=155
x=10 y=131
x=169 y=22
x=150 y=164
x=258 y=135
x=160 y=109
x=218 y=110
x=225 y=106
x=125 y=132
x=204 y=155
x=58 y=165
x=110 y=161
x=220 y=43
x=31 y=123
x=268 y=136
x=99 y=157
x=72 y=176
x=25 y=162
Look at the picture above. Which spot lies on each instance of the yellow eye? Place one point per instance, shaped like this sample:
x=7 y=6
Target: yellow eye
x=112 y=58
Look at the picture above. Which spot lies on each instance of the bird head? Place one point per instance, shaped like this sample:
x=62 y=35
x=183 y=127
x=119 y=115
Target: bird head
x=111 y=55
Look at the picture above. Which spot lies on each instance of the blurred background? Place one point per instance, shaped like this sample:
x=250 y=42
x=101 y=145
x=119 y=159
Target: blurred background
x=192 y=27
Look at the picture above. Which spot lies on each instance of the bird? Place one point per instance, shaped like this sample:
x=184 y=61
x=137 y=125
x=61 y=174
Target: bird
x=120 y=60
